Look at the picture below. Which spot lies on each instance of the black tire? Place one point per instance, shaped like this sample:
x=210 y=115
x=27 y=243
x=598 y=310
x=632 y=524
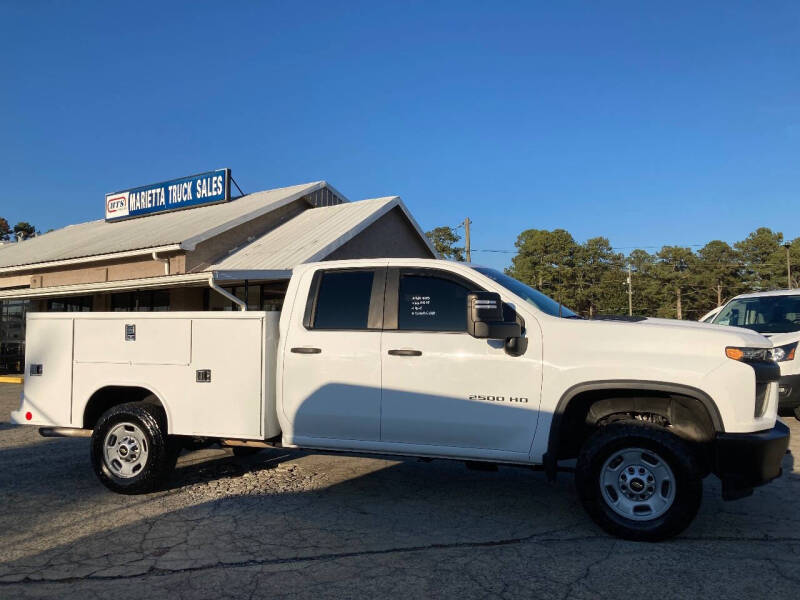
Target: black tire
x=678 y=456
x=244 y=451
x=797 y=413
x=149 y=422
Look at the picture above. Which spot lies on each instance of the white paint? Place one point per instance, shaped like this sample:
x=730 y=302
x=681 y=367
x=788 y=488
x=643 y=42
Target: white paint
x=48 y=396
x=158 y=341
x=426 y=399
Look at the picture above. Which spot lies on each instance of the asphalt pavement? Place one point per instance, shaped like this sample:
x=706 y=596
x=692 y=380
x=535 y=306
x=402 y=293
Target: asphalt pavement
x=297 y=525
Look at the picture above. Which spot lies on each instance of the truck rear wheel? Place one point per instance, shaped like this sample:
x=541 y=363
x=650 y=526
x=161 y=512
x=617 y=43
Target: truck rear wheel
x=638 y=481
x=131 y=452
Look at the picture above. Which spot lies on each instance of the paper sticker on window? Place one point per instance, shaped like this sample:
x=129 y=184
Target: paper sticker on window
x=421 y=307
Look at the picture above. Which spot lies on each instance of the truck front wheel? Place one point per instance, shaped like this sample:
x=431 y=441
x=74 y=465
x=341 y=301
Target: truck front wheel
x=131 y=452
x=639 y=481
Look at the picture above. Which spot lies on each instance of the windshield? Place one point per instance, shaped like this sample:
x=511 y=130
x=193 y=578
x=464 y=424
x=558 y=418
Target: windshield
x=527 y=293
x=764 y=314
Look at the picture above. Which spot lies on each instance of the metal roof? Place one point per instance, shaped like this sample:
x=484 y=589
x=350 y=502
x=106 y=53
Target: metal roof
x=175 y=230
x=311 y=236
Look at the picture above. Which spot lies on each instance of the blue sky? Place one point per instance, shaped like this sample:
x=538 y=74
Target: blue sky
x=651 y=124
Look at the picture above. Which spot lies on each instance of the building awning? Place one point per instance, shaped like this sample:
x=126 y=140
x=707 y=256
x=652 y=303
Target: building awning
x=165 y=281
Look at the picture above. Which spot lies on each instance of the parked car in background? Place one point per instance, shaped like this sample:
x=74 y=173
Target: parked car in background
x=776 y=315
x=709 y=316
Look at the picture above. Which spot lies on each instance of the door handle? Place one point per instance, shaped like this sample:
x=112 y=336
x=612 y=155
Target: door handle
x=405 y=352
x=306 y=350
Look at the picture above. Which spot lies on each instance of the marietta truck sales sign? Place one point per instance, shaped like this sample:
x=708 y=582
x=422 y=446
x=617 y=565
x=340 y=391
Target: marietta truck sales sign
x=187 y=192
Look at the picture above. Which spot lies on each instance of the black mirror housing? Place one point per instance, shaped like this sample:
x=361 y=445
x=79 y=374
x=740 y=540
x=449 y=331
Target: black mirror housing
x=485 y=317
x=497 y=330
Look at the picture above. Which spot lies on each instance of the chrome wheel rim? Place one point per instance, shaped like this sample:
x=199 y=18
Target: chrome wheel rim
x=125 y=450
x=637 y=484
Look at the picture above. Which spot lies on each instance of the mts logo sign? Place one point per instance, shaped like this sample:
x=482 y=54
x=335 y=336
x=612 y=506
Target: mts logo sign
x=117 y=205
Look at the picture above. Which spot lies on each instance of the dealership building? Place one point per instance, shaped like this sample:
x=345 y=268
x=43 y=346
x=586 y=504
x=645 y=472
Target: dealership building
x=187 y=245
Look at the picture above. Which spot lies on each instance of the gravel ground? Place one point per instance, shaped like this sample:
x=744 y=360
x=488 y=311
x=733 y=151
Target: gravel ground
x=283 y=524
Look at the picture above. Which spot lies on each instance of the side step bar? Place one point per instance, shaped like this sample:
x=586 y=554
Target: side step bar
x=52 y=432
x=64 y=432
x=250 y=444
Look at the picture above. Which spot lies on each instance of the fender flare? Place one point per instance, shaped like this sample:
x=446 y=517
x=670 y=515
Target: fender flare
x=129 y=384
x=554 y=438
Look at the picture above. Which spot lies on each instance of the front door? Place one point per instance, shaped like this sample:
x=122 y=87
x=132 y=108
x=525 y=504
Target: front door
x=332 y=369
x=441 y=386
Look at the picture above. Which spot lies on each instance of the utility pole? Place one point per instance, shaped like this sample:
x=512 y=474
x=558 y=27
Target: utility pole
x=630 y=293
x=788 y=245
x=466 y=239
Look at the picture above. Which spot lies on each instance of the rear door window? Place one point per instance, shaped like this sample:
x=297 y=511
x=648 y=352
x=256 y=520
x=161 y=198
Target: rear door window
x=343 y=300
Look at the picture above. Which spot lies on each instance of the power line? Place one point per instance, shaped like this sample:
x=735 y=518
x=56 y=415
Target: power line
x=709 y=263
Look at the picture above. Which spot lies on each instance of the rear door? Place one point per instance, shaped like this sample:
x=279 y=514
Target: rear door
x=332 y=366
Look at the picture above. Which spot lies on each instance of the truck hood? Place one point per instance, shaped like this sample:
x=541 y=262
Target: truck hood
x=748 y=337
x=779 y=339
x=694 y=330
x=652 y=349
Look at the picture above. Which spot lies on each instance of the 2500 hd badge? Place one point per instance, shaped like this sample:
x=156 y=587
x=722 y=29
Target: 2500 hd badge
x=519 y=399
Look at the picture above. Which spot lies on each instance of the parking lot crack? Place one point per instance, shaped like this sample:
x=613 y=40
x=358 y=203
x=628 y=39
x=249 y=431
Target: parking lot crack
x=154 y=571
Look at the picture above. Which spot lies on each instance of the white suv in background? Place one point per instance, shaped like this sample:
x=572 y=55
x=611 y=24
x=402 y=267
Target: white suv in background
x=776 y=315
x=709 y=316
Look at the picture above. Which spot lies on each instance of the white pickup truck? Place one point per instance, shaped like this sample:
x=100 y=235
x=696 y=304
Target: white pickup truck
x=421 y=358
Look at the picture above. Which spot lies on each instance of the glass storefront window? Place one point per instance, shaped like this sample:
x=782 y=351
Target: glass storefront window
x=272 y=295
x=12 y=335
x=215 y=301
x=253 y=297
x=267 y=296
x=70 y=304
x=141 y=301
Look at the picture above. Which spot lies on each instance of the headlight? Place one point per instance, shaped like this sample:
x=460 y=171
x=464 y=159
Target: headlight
x=782 y=353
x=749 y=354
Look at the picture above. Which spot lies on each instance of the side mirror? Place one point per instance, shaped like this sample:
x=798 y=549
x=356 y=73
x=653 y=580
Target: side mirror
x=485 y=317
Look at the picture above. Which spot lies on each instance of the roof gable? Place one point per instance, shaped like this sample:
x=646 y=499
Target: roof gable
x=313 y=235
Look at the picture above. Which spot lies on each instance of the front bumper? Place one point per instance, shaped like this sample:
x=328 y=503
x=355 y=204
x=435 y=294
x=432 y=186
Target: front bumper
x=788 y=393
x=746 y=460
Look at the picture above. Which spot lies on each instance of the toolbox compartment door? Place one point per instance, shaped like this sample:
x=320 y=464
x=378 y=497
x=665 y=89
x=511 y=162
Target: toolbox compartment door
x=133 y=341
x=47 y=391
x=229 y=403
